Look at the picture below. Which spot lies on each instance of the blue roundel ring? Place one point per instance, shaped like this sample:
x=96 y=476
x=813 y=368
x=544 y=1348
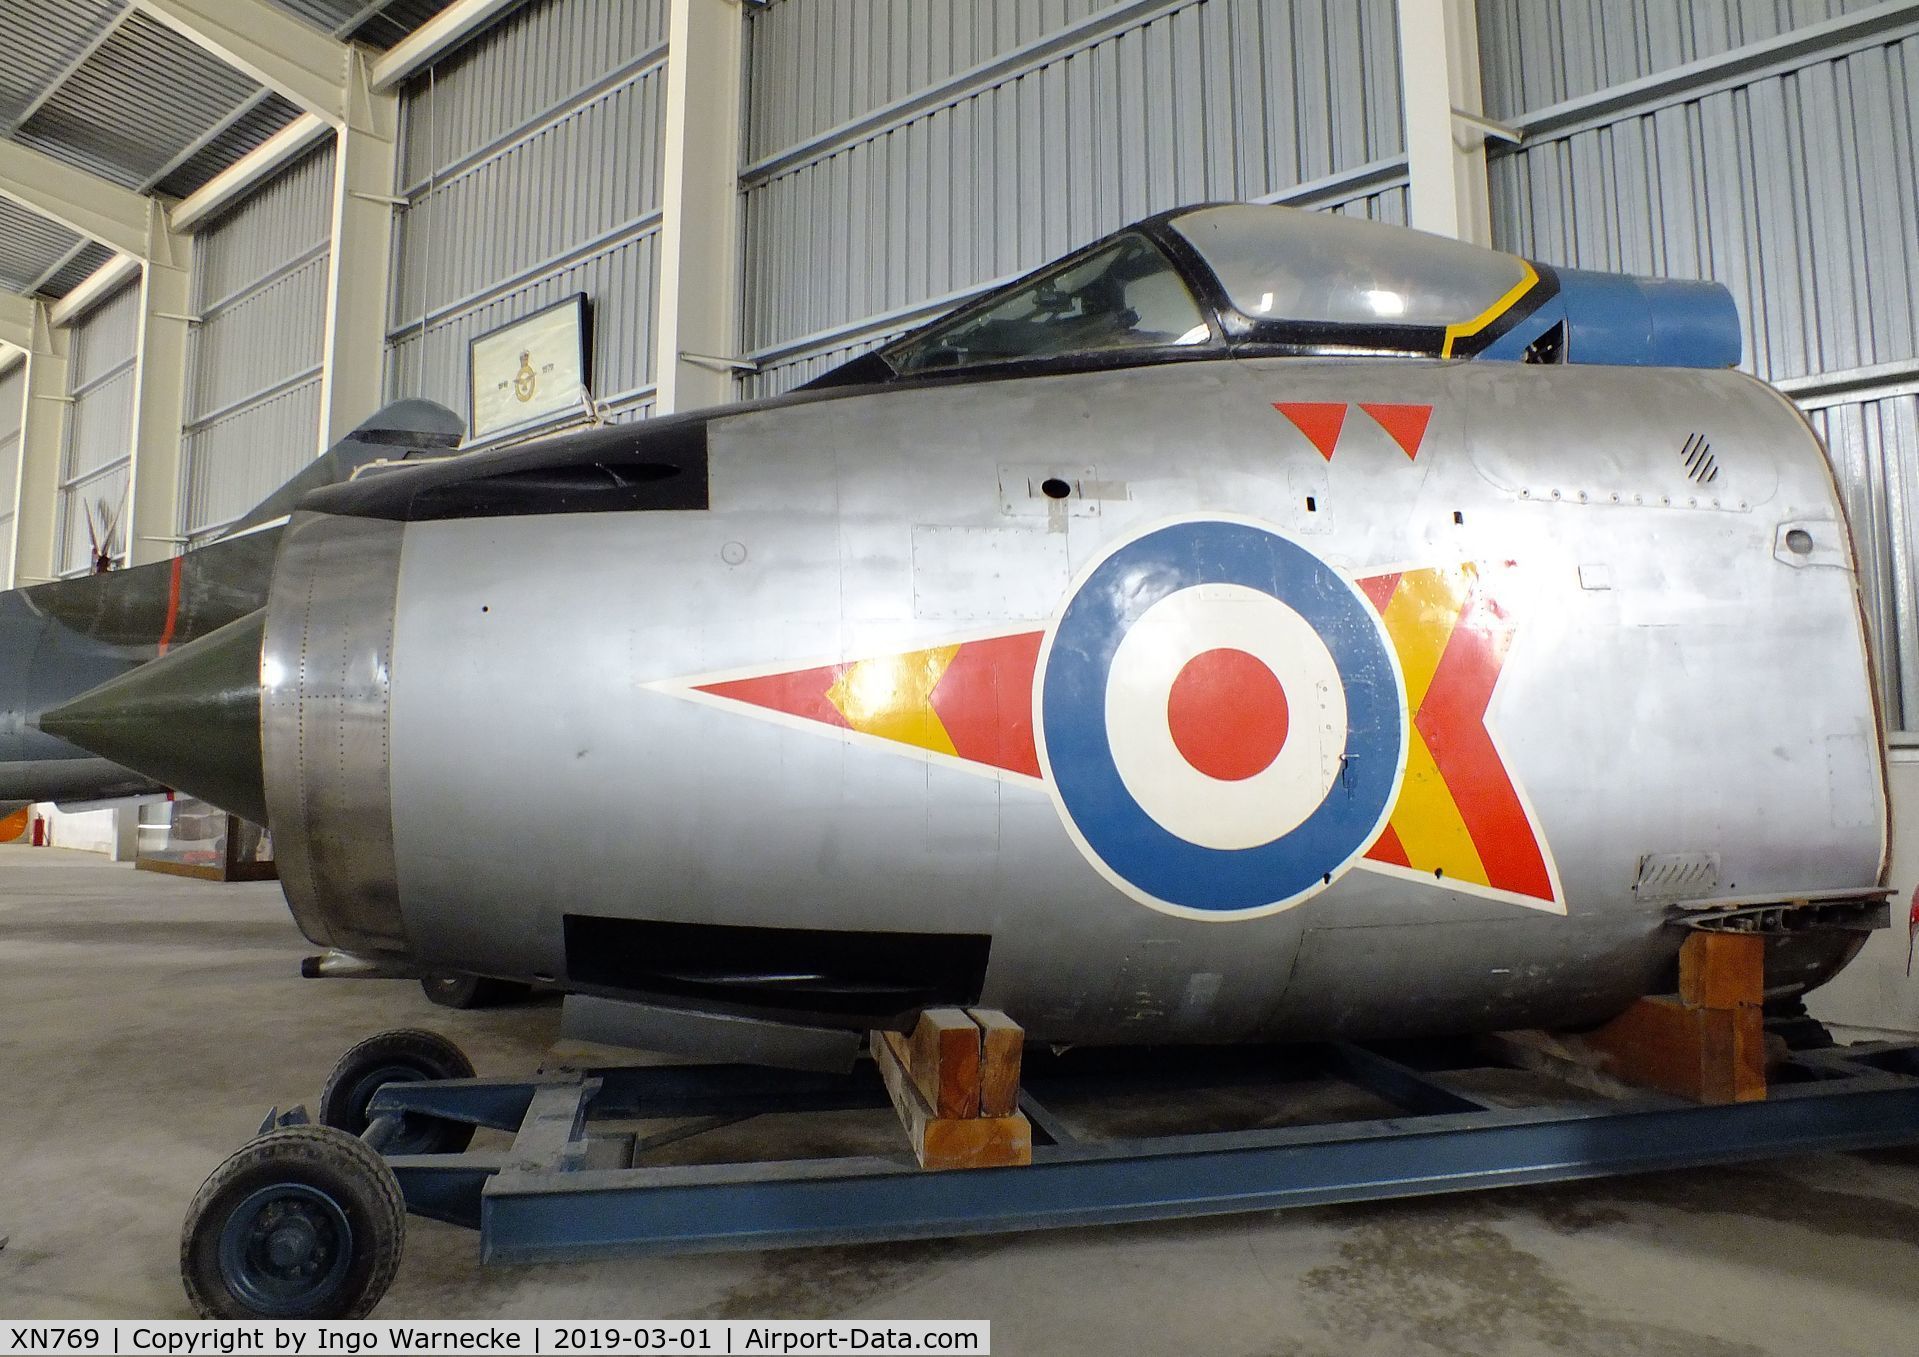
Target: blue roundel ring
x=1160 y=866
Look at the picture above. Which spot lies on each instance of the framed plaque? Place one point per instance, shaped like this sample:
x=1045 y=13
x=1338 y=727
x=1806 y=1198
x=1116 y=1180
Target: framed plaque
x=530 y=371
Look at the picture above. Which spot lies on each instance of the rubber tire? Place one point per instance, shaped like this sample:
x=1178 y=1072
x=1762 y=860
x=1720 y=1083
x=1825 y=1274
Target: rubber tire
x=341 y=1165
x=408 y=1050
x=451 y=989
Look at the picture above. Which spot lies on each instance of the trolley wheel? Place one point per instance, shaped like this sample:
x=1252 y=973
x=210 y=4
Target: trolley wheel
x=407 y=1055
x=451 y=989
x=305 y=1222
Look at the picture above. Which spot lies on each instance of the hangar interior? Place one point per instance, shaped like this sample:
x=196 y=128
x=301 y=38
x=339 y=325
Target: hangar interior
x=232 y=229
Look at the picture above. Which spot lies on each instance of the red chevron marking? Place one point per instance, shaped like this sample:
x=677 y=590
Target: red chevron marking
x=1320 y=421
x=1452 y=721
x=1406 y=424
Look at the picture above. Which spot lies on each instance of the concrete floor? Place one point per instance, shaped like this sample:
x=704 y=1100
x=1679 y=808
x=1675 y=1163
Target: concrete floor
x=149 y=1021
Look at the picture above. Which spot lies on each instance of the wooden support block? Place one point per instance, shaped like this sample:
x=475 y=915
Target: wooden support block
x=1002 y=1042
x=1722 y=970
x=1712 y=1055
x=950 y=1142
x=942 y=1057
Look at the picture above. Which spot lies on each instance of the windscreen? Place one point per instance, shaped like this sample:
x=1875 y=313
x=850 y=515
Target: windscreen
x=1124 y=296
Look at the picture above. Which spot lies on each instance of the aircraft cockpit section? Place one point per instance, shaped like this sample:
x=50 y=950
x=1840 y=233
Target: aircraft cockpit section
x=1122 y=296
x=1249 y=280
x=1314 y=282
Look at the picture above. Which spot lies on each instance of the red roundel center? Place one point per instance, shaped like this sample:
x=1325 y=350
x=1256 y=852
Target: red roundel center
x=1227 y=713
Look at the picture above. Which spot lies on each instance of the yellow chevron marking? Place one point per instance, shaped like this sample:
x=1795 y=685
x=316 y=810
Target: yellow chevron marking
x=1419 y=618
x=1466 y=328
x=1428 y=823
x=892 y=697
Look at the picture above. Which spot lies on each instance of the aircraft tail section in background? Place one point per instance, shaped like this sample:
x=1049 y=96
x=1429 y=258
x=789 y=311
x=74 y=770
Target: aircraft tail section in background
x=406 y=430
x=59 y=639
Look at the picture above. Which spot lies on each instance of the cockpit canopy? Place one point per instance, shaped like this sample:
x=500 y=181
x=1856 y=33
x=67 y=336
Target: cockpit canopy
x=1250 y=280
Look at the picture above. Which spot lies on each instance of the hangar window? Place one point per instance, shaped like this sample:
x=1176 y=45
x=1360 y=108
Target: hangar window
x=1124 y=296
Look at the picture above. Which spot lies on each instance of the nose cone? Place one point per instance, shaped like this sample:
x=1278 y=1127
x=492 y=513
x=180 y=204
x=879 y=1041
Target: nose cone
x=190 y=719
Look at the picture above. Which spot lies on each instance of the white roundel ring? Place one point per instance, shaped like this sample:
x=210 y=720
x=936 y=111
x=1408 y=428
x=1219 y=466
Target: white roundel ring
x=1300 y=711
x=1220 y=719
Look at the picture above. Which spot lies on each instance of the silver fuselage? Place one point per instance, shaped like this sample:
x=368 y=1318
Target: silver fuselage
x=1685 y=704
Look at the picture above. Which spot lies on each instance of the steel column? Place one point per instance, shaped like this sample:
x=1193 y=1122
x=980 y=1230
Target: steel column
x=43 y=427
x=159 y=410
x=353 y=350
x=1439 y=74
x=699 y=227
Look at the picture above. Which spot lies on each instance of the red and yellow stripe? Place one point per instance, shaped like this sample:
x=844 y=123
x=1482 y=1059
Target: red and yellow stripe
x=1459 y=815
x=972 y=700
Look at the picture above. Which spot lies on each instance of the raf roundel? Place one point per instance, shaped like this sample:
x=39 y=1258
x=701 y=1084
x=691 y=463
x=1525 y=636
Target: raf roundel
x=1220 y=718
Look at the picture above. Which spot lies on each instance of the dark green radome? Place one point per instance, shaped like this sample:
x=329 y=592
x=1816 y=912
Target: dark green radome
x=189 y=719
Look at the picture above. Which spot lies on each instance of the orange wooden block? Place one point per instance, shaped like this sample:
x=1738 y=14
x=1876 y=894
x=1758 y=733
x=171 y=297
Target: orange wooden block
x=1711 y=1055
x=942 y=1057
x=1002 y=1042
x=938 y=1142
x=1722 y=970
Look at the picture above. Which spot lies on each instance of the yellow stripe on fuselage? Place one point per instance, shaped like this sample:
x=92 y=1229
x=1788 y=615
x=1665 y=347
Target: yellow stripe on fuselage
x=1420 y=618
x=1465 y=329
x=1428 y=823
x=892 y=698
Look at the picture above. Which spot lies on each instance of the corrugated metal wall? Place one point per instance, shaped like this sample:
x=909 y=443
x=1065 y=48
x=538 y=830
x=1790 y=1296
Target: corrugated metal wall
x=530 y=161
x=13 y=386
x=902 y=156
x=253 y=361
x=99 y=443
x=1770 y=146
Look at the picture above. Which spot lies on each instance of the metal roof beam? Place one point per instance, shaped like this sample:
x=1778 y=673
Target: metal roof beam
x=16 y=320
x=101 y=283
x=251 y=169
x=438 y=35
x=287 y=55
x=114 y=216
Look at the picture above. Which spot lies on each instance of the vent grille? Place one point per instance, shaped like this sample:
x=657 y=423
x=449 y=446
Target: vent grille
x=1701 y=466
x=1676 y=876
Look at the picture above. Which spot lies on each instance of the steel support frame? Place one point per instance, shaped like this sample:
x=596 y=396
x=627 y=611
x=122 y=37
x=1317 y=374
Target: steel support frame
x=1439 y=78
x=539 y=1202
x=699 y=260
